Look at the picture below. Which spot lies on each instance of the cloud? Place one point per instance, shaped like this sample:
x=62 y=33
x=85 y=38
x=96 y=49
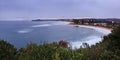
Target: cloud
x=31 y=9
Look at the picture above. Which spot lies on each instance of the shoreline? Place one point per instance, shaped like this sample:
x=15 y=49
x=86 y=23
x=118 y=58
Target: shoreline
x=110 y=29
x=91 y=40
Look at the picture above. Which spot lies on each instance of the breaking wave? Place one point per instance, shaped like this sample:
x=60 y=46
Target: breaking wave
x=42 y=25
x=91 y=40
x=25 y=31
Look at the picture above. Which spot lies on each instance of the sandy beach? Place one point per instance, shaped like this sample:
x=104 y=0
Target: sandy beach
x=92 y=40
x=71 y=23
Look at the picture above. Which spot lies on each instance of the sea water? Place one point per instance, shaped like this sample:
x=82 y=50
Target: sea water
x=20 y=33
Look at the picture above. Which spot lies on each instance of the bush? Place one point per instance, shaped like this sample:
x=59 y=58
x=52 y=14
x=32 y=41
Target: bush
x=7 y=51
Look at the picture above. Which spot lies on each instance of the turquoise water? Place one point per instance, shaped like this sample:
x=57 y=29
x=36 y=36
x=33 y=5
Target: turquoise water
x=20 y=33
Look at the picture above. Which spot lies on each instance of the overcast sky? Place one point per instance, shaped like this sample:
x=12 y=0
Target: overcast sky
x=33 y=9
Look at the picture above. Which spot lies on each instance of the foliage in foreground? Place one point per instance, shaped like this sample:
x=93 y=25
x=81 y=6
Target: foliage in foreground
x=108 y=49
x=7 y=51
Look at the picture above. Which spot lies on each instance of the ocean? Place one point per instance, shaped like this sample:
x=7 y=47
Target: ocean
x=21 y=33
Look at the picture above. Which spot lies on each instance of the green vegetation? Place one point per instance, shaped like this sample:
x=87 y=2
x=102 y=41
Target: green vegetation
x=7 y=51
x=108 y=49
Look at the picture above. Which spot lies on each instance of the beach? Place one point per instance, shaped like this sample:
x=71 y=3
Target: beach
x=104 y=30
x=90 y=40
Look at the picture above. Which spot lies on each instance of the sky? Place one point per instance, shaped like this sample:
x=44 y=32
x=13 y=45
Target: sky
x=47 y=9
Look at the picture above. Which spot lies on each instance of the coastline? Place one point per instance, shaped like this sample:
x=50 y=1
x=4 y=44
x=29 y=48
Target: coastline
x=71 y=23
x=92 y=40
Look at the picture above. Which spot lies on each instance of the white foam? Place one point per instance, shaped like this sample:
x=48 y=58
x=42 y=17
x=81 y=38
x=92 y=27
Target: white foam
x=42 y=25
x=25 y=31
x=91 y=40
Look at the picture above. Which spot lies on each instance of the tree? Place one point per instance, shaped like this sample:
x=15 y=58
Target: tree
x=115 y=38
x=7 y=51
